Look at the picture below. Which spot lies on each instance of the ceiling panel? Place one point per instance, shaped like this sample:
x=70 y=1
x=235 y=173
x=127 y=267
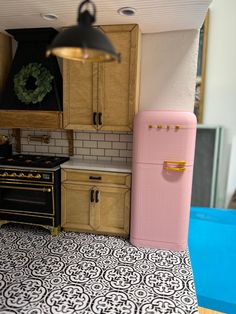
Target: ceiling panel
x=152 y=15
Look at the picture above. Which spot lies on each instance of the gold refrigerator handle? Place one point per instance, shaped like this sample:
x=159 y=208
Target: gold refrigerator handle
x=174 y=165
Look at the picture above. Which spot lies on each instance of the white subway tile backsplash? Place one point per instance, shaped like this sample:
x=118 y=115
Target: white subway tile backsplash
x=26 y=133
x=90 y=157
x=57 y=135
x=104 y=145
x=130 y=146
x=125 y=153
x=126 y=138
x=82 y=151
x=119 y=159
x=97 y=137
x=64 y=135
x=61 y=142
x=112 y=137
x=104 y=158
x=41 y=149
x=41 y=132
x=28 y=148
x=119 y=145
x=97 y=152
x=97 y=145
x=24 y=140
x=91 y=144
x=65 y=151
x=78 y=143
x=5 y=132
x=112 y=152
x=79 y=157
x=56 y=150
x=82 y=136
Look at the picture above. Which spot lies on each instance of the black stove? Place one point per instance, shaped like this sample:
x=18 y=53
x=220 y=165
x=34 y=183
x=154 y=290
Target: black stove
x=34 y=161
x=30 y=190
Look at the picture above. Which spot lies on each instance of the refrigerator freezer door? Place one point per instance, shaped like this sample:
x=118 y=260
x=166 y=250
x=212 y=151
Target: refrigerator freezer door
x=164 y=135
x=160 y=206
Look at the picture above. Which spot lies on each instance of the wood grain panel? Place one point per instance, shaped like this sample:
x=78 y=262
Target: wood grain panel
x=114 y=211
x=5 y=59
x=108 y=90
x=79 y=94
x=207 y=311
x=30 y=119
x=77 y=208
x=106 y=212
x=111 y=178
x=118 y=82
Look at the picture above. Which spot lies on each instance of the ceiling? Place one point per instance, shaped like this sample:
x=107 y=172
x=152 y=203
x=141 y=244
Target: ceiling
x=152 y=15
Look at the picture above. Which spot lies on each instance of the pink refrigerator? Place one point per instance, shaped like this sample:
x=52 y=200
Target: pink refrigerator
x=163 y=156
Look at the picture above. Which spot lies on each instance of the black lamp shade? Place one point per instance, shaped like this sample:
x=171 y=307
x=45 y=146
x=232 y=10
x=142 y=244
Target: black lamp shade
x=83 y=43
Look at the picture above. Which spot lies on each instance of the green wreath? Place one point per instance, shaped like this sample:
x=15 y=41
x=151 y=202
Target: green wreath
x=43 y=83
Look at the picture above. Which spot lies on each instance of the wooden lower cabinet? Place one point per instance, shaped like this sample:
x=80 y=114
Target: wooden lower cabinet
x=113 y=210
x=97 y=208
x=76 y=207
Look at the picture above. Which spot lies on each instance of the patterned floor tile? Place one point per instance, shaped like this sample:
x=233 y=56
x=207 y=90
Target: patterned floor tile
x=76 y=273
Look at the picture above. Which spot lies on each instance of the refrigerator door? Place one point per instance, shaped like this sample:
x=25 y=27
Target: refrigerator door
x=163 y=155
x=160 y=207
x=164 y=135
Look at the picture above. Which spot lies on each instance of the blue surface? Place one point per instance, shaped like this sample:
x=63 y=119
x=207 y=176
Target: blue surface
x=212 y=247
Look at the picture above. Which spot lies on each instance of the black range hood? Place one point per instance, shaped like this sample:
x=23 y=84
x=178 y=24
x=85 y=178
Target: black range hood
x=31 y=48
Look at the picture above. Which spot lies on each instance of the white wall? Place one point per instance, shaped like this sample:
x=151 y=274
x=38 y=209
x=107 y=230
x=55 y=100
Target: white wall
x=220 y=86
x=168 y=70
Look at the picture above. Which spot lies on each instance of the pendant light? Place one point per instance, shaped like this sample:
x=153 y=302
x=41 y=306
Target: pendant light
x=83 y=42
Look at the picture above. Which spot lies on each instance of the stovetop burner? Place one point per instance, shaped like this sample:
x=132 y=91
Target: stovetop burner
x=36 y=161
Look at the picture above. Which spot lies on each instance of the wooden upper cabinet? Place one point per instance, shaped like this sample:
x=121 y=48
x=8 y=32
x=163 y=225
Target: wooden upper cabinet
x=80 y=94
x=104 y=96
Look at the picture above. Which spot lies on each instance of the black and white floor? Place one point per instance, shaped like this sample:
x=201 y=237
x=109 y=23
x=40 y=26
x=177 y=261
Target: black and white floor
x=77 y=273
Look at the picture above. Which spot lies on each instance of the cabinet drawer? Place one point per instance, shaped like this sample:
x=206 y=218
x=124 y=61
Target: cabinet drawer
x=97 y=177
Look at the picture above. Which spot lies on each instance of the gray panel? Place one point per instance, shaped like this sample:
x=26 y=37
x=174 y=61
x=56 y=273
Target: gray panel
x=203 y=173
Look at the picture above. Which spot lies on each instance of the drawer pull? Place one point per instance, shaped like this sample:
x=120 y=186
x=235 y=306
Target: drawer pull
x=95 y=178
x=96 y=197
x=92 y=196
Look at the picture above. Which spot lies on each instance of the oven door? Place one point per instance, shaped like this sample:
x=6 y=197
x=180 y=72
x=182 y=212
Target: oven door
x=34 y=199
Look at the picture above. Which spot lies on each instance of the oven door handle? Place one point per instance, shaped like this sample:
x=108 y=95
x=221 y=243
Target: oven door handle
x=48 y=190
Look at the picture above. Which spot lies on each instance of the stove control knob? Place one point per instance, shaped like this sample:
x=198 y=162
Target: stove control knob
x=13 y=174
x=30 y=175
x=5 y=174
x=38 y=176
x=21 y=175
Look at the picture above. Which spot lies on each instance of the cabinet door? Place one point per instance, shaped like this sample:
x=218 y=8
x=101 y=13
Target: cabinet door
x=78 y=210
x=5 y=59
x=113 y=205
x=80 y=95
x=118 y=83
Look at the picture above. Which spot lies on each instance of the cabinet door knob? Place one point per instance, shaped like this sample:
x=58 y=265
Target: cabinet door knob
x=99 y=118
x=95 y=118
x=92 y=196
x=96 y=196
